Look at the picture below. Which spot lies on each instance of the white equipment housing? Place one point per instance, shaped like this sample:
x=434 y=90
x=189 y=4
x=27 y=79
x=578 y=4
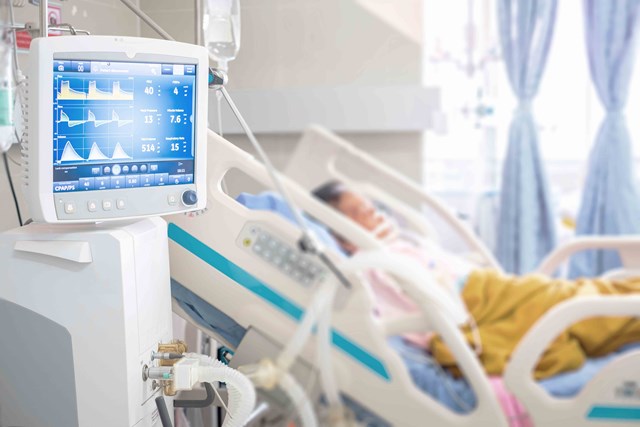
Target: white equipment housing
x=81 y=309
x=83 y=306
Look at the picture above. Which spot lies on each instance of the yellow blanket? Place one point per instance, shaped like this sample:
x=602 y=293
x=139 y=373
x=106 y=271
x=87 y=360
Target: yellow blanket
x=505 y=307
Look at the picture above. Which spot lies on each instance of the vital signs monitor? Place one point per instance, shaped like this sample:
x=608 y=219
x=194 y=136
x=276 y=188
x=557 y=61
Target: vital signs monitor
x=117 y=128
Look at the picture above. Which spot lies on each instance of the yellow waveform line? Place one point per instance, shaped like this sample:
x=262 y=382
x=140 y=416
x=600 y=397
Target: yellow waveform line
x=116 y=94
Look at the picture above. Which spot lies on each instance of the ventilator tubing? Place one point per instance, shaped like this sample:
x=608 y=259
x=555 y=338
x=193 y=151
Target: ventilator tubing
x=299 y=399
x=322 y=300
x=319 y=312
x=242 y=395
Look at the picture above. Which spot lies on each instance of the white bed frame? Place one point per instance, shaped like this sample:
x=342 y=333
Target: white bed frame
x=315 y=161
x=388 y=392
x=367 y=369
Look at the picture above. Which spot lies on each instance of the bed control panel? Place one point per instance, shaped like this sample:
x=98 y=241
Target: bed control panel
x=302 y=268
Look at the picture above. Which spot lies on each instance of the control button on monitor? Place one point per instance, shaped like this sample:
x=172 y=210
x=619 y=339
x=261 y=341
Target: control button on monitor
x=81 y=66
x=189 y=69
x=147 y=180
x=106 y=170
x=61 y=65
x=117 y=182
x=120 y=204
x=175 y=179
x=106 y=205
x=102 y=183
x=86 y=183
x=133 y=181
x=167 y=68
x=143 y=168
x=116 y=169
x=161 y=178
x=187 y=179
x=125 y=169
x=92 y=206
x=153 y=168
x=96 y=170
x=69 y=208
x=134 y=169
x=172 y=199
x=189 y=198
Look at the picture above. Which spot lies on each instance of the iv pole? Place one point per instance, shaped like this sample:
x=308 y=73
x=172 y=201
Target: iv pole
x=44 y=18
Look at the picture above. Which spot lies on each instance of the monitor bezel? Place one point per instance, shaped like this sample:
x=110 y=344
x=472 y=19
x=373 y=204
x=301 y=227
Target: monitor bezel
x=45 y=205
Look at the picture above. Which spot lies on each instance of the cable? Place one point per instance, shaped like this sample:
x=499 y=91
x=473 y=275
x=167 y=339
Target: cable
x=267 y=162
x=163 y=412
x=222 y=403
x=13 y=191
x=194 y=403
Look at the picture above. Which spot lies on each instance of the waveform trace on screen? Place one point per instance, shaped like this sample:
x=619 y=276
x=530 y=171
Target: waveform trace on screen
x=69 y=154
x=66 y=93
x=91 y=117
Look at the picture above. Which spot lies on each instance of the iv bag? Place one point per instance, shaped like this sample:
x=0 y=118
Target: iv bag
x=221 y=27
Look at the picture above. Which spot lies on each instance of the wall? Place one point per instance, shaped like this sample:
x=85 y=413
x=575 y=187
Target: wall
x=100 y=17
x=310 y=44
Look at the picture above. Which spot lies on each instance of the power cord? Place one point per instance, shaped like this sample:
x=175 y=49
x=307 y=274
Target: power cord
x=13 y=191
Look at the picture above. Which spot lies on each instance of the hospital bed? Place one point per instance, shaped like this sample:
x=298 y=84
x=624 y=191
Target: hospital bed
x=322 y=156
x=214 y=261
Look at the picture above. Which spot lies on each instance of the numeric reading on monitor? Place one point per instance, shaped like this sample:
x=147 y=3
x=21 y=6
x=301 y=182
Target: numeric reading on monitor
x=122 y=125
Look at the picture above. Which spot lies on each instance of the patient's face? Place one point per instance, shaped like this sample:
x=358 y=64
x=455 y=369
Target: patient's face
x=362 y=211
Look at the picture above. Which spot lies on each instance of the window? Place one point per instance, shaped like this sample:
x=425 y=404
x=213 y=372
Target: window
x=463 y=165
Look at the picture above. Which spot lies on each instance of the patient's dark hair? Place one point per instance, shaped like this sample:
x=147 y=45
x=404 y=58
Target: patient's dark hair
x=330 y=192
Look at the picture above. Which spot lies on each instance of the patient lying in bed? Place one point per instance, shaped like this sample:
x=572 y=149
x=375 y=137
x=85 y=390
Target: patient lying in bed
x=503 y=306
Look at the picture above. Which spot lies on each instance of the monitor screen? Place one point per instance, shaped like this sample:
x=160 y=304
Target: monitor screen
x=122 y=124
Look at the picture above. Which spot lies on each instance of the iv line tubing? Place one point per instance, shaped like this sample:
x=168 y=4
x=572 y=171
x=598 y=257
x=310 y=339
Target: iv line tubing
x=278 y=184
x=265 y=159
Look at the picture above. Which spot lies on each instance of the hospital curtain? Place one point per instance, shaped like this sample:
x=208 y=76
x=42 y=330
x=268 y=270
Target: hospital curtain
x=610 y=200
x=525 y=227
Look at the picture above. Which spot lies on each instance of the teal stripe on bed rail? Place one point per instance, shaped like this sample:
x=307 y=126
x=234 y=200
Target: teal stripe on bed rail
x=614 y=413
x=243 y=278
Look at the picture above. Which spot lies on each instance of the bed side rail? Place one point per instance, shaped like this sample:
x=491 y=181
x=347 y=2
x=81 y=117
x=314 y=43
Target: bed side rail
x=627 y=246
x=545 y=409
x=325 y=148
x=441 y=315
x=225 y=156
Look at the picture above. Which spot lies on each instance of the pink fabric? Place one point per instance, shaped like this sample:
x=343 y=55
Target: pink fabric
x=391 y=301
x=516 y=414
